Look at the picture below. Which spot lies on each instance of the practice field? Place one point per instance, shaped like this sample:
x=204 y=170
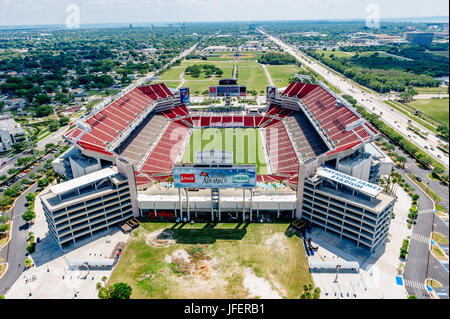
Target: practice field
x=250 y=72
x=245 y=143
x=211 y=261
x=435 y=108
x=281 y=74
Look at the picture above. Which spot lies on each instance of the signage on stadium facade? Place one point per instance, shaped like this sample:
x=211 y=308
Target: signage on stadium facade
x=243 y=176
x=271 y=92
x=350 y=181
x=226 y=124
x=185 y=96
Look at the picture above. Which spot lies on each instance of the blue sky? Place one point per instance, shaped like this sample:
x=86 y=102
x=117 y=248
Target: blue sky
x=31 y=12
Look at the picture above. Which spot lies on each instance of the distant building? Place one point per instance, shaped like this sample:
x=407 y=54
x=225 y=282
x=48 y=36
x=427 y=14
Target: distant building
x=218 y=48
x=17 y=103
x=10 y=133
x=420 y=38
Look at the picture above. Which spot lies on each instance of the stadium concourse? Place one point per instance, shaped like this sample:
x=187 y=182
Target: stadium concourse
x=320 y=153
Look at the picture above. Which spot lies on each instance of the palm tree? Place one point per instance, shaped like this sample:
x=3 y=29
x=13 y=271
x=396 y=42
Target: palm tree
x=401 y=160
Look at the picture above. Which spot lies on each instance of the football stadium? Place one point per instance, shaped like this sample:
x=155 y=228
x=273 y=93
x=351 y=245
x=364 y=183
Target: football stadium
x=306 y=156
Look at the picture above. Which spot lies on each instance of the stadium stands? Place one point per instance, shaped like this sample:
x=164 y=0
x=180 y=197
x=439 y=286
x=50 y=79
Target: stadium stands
x=327 y=111
x=163 y=156
x=282 y=155
x=153 y=146
x=306 y=140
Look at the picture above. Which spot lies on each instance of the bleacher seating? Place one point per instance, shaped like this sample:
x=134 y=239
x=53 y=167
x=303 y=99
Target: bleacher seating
x=282 y=155
x=163 y=155
x=306 y=140
x=332 y=118
x=142 y=139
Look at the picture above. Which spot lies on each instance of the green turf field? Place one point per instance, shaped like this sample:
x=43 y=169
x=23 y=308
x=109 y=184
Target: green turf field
x=250 y=73
x=228 y=250
x=435 y=108
x=245 y=143
x=282 y=73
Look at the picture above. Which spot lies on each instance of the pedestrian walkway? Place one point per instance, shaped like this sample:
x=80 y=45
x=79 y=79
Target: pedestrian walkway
x=421 y=238
x=415 y=284
x=425 y=211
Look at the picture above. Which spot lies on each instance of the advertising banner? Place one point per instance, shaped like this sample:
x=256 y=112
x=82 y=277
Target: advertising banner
x=215 y=177
x=185 y=96
x=271 y=92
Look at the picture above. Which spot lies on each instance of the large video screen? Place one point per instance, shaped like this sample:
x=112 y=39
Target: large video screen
x=230 y=90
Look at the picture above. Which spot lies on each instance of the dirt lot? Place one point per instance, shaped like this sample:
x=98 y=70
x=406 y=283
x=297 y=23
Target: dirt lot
x=213 y=261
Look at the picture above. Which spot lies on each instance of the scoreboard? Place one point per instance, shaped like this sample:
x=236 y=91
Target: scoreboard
x=227 y=90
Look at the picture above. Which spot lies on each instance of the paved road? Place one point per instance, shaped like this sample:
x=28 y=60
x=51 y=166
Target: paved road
x=420 y=263
x=268 y=75
x=15 y=252
x=372 y=102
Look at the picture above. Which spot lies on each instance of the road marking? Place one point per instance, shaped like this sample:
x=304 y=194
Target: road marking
x=421 y=238
x=415 y=284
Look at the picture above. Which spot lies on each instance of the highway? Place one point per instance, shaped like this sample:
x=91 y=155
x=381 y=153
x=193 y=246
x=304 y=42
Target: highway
x=372 y=102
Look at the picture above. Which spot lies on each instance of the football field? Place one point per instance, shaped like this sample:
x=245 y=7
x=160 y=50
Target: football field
x=245 y=143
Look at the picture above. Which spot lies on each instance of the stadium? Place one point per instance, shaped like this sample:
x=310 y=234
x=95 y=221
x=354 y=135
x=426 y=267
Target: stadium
x=305 y=156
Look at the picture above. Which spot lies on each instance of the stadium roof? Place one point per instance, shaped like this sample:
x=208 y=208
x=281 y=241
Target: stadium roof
x=82 y=181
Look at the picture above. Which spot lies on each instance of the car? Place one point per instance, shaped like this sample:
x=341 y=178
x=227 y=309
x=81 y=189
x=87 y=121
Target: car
x=439 y=156
x=3 y=163
x=426 y=147
x=432 y=148
x=418 y=179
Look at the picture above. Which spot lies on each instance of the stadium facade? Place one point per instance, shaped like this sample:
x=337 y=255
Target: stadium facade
x=323 y=166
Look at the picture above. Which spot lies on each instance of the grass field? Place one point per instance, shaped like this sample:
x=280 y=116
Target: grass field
x=253 y=76
x=230 y=251
x=431 y=90
x=435 y=108
x=337 y=53
x=245 y=144
x=281 y=74
x=229 y=56
x=250 y=73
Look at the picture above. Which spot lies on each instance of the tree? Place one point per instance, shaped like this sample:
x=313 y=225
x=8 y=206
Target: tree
x=401 y=160
x=19 y=146
x=412 y=297
x=443 y=131
x=63 y=121
x=29 y=215
x=44 y=110
x=437 y=170
x=30 y=197
x=53 y=126
x=4 y=228
x=42 y=99
x=43 y=182
x=49 y=146
x=28 y=262
x=121 y=291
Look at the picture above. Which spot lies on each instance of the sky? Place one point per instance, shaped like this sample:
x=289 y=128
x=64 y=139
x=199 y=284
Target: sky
x=38 y=12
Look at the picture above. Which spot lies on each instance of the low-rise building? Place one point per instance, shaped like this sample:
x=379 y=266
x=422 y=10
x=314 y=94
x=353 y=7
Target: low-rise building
x=10 y=133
